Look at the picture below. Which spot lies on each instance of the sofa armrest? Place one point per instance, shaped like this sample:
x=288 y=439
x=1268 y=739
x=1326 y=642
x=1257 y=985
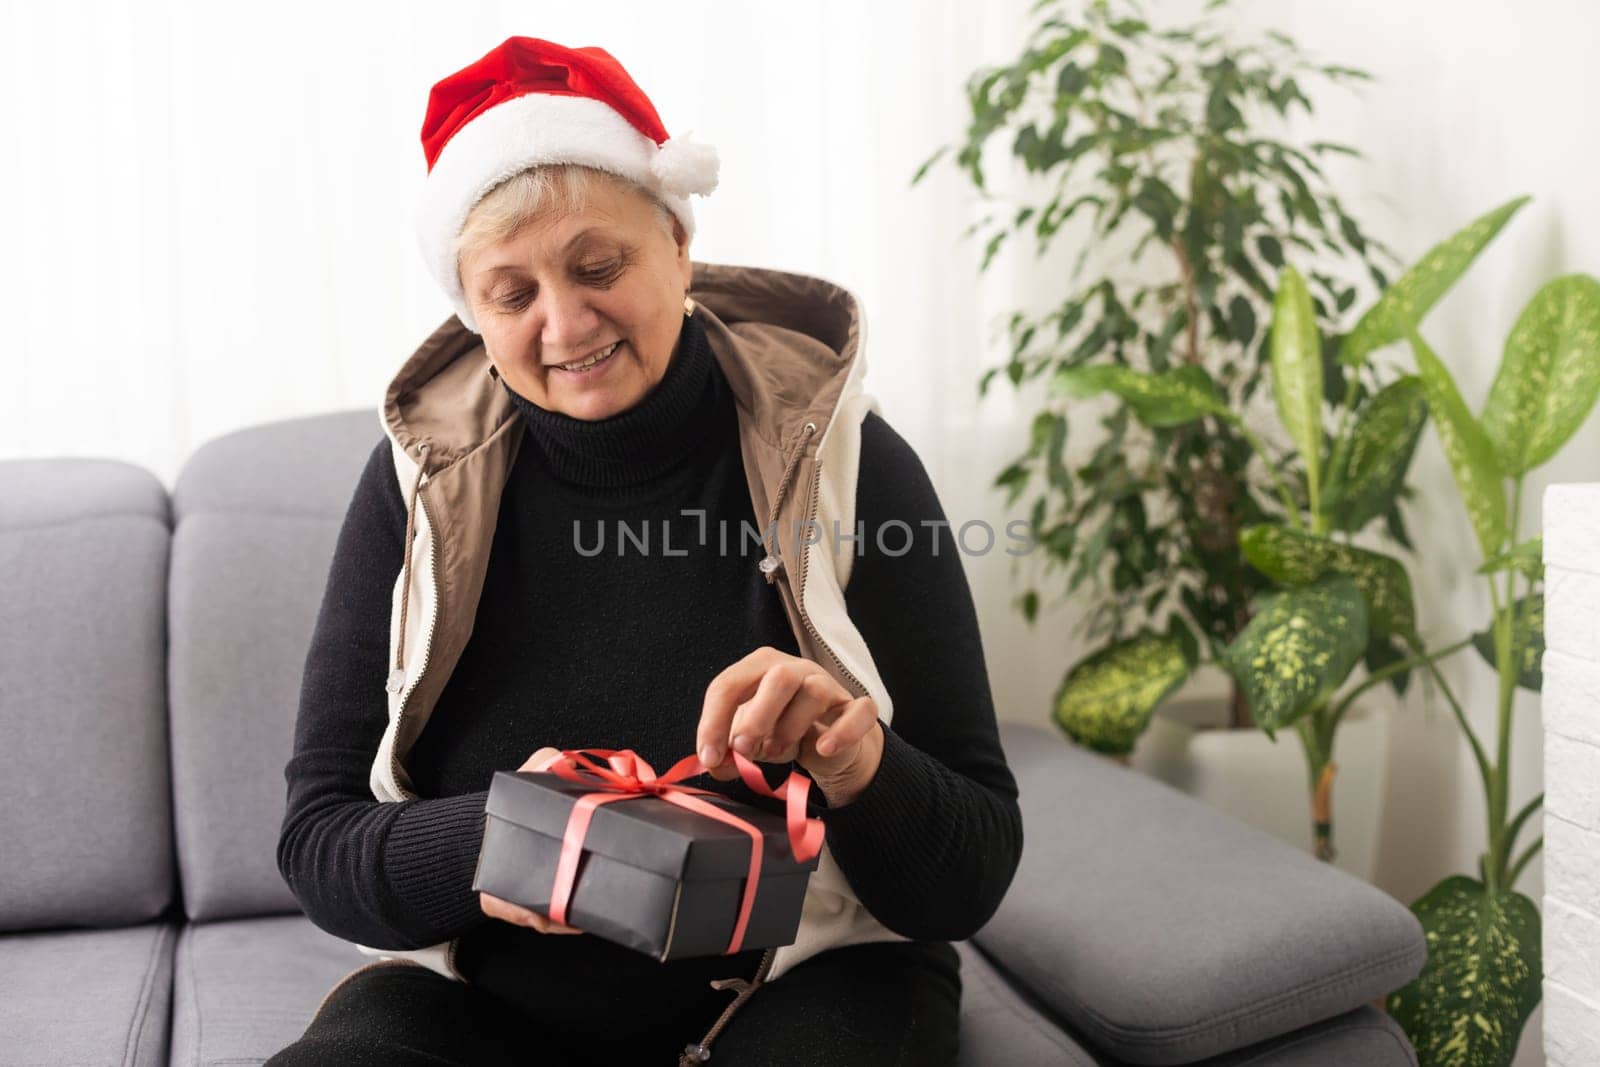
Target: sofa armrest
x=1164 y=931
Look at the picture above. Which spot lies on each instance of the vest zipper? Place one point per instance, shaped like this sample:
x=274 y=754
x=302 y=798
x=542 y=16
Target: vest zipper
x=774 y=562
x=397 y=677
x=699 y=1052
x=800 y=584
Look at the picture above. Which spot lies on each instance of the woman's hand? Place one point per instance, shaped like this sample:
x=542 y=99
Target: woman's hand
x=773 y=708
x=496 y=908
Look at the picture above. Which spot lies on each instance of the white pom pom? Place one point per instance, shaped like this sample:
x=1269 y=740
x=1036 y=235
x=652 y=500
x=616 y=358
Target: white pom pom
x=682 y=166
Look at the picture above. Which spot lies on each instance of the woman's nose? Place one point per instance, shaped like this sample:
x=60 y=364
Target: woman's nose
x=569 y=321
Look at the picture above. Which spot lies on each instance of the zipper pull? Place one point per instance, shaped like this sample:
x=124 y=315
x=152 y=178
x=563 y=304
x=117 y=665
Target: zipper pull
x=770 y=566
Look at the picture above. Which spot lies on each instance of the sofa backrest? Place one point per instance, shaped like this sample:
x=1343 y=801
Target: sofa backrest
x=256 y=515
x=85 y=816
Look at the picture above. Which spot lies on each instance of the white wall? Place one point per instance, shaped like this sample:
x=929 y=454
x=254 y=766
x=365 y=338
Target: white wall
x=1571 y=905
x=210 y=207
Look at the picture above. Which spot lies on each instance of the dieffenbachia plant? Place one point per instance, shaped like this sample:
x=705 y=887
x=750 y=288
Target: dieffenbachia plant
x=1483 y=974
x=1332 y=605
x=1482 y=977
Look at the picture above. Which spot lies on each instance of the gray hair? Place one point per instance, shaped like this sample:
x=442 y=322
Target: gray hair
x=549 y=187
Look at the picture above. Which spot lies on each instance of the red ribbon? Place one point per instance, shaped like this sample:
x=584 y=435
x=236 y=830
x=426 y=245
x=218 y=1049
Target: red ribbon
x=630 y=776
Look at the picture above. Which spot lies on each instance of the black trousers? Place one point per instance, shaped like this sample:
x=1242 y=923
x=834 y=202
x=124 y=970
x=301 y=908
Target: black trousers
x=881 y=1004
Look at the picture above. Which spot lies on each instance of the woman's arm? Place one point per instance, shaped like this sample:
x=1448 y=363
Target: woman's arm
x=385 y=875
x=931 y=844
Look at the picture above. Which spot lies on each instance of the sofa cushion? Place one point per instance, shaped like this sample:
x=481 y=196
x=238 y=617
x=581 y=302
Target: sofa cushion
x=999 y=1026
x=85 y=819
x=1165 y=932
x=245 y=988
x=73 y=997
x=257 y=516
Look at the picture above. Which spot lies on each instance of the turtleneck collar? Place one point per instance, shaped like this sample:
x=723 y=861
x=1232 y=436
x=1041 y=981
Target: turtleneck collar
x=644 y=441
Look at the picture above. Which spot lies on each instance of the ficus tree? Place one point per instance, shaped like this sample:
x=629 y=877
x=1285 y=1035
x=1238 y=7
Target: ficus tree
x=1169 y=142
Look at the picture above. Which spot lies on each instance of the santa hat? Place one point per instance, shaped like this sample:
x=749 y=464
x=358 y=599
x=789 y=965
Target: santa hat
x=530 y=101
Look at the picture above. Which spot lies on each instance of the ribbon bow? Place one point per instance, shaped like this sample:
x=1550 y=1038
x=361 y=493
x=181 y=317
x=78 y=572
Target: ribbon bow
x=630 y=775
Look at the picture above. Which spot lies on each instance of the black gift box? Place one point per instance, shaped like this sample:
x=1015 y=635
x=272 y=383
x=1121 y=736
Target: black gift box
x=653 y=876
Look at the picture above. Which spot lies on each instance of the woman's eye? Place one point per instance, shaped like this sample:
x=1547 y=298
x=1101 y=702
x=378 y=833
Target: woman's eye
x=516 y=300
x=599 y=272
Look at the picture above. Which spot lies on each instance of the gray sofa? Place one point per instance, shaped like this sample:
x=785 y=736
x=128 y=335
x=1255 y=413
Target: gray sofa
x=150 y=648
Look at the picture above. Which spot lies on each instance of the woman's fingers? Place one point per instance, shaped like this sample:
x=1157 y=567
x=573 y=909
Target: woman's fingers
x=814 y=701
x=754 y=719
x=734 y=685
x=496 y=908
x=535 y=761
x=853 y=723
x=765 y=707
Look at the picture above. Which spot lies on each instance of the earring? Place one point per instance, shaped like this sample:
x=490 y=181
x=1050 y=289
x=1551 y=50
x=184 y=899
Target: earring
x=494 y=372
x=688 y=305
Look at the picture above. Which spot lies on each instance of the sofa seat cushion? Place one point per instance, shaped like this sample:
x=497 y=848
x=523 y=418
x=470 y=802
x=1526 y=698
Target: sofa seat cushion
x=1365 y=1036
x=74 y=997
x=245 y=988
x=1165 y=932
x=998 y=1026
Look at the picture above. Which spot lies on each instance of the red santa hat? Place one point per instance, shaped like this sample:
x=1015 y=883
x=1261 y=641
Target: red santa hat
x=530 y=101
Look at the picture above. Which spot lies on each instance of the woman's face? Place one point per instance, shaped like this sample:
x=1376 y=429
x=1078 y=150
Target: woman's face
x=567 y=287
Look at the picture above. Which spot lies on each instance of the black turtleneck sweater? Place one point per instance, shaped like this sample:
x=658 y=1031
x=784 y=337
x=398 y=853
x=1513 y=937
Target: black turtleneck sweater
x=577 y=648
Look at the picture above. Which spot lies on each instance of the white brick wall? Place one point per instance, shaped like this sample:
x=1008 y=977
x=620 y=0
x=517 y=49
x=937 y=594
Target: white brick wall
x=1571 y=708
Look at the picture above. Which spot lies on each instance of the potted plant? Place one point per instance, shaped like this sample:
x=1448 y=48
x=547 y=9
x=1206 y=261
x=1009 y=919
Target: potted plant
x=1160 y=139
x=1483 y=975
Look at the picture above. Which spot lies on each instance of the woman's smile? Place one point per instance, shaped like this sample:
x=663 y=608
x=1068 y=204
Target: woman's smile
x=592 y=366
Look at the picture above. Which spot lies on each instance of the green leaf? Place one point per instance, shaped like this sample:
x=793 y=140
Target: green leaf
x=1105 y=701
x=1241 y=320
x=1550 y=376
x=1170 y=398
x=1296 y=558
x=1297 y=372
x=1527 y=642
x=1409 y=299
x=1472 y=458
x=1526 y=559
x=1381 y=652
x=1382 y=443
x=1482 y=977
x=1014 y=479
x=1298 y=648
x=922 y=170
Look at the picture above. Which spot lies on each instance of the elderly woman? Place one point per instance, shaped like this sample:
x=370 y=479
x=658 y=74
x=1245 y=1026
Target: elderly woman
x=804 y=605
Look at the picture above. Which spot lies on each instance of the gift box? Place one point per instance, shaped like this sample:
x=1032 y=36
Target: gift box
x=646 y=861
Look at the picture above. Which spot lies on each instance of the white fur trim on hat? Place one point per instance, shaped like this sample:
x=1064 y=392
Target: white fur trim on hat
x=546 y=128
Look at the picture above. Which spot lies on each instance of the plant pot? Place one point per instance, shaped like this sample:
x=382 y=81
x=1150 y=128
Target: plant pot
x=1189 y=745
